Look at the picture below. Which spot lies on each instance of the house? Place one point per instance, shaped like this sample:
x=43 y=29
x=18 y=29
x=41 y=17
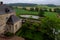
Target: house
x=9 y=22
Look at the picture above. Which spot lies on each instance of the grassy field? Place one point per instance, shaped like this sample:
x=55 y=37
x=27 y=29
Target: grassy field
x=26 y=12
x=21 y=12
x=51 y=15
x=39 y=6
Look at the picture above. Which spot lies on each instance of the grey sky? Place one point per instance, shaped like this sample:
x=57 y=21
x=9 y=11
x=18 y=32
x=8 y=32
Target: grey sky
x=33 y=1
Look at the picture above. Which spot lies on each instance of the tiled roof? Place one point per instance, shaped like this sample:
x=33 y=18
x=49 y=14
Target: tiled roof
x=3 y=7
x=13 y=19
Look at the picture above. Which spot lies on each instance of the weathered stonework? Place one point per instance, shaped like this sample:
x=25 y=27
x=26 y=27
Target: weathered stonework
x=9 y=26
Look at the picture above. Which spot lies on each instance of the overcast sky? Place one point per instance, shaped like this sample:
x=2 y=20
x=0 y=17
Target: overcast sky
x=57 y=2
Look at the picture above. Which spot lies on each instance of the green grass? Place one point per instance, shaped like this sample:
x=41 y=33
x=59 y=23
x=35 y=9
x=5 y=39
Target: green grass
x=26 y=12
x=21 y=11
x=43 y=6
x=51 y=15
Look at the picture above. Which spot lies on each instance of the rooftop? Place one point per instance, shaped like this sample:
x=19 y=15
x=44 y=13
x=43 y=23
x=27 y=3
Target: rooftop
x=13 y=19
x=5 y=9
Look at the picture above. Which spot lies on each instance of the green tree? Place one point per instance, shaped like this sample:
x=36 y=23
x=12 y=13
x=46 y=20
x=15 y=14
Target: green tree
x=37 y=9
x=24 y=8
x=31 y=9
x=41 y=13
x=50 y=10
x=47 y=26
x=57 y=10
x=35 y=26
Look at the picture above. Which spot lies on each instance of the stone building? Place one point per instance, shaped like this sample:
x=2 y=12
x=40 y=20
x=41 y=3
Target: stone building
x=9 y=22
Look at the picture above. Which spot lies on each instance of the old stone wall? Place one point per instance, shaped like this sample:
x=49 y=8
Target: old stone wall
x=3 y=20
x=17 y=25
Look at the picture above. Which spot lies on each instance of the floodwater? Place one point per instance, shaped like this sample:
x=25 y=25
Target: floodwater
x=30 y=16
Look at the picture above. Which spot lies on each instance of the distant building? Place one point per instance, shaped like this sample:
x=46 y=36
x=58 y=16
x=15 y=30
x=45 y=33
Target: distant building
x=9 y=22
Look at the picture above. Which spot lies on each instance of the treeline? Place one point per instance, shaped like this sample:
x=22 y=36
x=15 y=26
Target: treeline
x=44 y=9
x=22 y=4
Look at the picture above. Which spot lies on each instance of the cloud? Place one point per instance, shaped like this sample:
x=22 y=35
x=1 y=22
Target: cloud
x=33 y=1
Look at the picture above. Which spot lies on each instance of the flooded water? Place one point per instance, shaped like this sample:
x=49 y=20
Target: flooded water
x=30 y=16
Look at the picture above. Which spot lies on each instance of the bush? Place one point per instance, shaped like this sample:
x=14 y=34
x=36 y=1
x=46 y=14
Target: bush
x=41 y=13
x=8 y=34
x=31 y=9
x=36 y=9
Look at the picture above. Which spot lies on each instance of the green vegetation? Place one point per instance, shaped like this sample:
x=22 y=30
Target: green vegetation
x=29 y=30
x=39 y=31
x=44 y=6
x=41 y=13
x=8 y=34
x=51 y=15
x=25 y=12
x=21 y=11
x=42 y=30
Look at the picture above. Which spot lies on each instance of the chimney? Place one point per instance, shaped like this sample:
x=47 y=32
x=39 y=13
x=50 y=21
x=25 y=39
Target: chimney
x=1 y=3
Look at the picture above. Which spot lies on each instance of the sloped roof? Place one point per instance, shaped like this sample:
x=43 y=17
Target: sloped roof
x=13 y=19
x=3 y=7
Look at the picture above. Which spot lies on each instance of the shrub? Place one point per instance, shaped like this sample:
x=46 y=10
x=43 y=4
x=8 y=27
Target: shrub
x=8 y=34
